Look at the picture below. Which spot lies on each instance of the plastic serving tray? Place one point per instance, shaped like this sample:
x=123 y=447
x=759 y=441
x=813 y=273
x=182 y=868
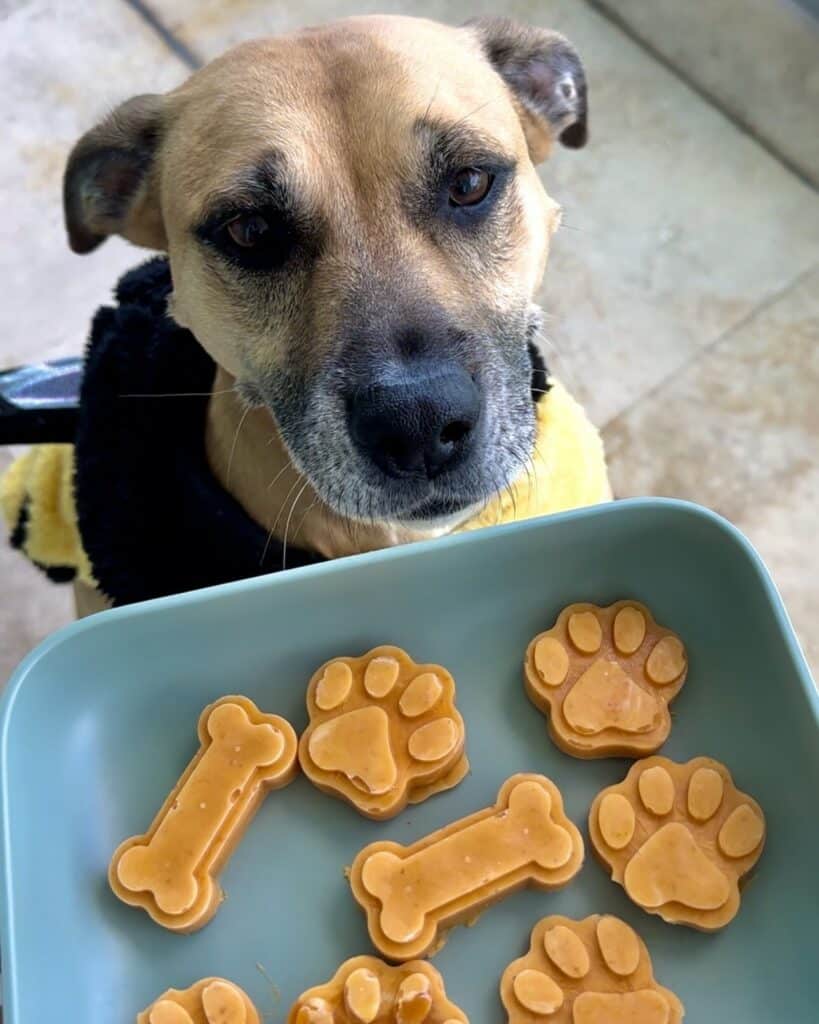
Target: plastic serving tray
x=99 y=721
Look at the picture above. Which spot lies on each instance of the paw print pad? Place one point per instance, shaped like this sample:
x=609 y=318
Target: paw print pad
x=365 y=990
x=605 y=678
x=679 y=838
x=210 y=1001
x=595 y=971
x=383 y=732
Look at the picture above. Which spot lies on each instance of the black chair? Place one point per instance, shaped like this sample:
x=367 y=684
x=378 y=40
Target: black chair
x=40 y=403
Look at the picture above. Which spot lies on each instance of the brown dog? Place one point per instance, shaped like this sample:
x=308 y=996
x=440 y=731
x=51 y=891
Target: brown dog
x=355 y=230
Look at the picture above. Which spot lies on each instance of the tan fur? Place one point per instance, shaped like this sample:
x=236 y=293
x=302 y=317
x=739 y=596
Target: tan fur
x=448 y=76
x=339 y=102
x=247 y=457
x=333 y=110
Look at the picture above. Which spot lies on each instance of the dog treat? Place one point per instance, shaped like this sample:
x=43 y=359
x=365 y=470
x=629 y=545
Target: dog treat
x=594 y=971
x=383 y=732
x=365 y=990
x=209 y=1001
x=171 y=870
x=605 y=678
x=412 y=895
x=679 y=838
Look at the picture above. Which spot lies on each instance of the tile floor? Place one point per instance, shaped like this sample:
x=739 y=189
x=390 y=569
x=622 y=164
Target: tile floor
x=683 y=294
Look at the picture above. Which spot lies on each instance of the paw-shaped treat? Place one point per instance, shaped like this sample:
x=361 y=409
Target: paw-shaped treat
x=209 y=1001
x=679 y=838
x=412 y=895
x=383 y=732
x=605 y=678
x=365 y=990
x=595 y=971
x=170 y=871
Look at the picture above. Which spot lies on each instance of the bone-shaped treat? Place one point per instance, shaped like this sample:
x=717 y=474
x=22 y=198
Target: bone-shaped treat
x=209 y=1001
x=171 y=870
x=412 y=895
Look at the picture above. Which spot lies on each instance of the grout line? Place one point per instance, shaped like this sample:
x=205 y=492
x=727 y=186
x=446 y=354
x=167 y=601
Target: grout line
x=188 y=56
x=616 y=19
x=700 y=354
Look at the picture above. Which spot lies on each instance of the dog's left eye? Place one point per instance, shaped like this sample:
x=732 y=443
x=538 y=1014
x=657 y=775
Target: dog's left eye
x=470 y=186
x=249 y=230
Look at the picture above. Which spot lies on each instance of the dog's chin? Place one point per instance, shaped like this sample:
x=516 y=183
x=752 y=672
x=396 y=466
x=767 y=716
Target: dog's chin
x=437 y=513
x=418 y=506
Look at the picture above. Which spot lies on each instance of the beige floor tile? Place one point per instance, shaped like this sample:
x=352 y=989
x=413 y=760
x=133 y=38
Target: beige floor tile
x=63 y=65
x=677 y=227
x=677 y=224
x=738 y=431
x=759 y=59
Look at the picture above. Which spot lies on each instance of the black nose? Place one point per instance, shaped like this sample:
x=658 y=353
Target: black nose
x=418 y=424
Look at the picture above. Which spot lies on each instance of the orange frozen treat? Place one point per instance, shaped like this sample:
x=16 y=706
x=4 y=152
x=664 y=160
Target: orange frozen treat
x=383 y=732
x=595 y=971
x=412 y=895
x=171 y=870
x=679 y=838
x=210 y=1001
x=365 y=990
x=605 y=678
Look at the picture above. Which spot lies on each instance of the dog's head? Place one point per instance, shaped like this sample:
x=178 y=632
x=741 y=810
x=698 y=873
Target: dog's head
x=356 y=231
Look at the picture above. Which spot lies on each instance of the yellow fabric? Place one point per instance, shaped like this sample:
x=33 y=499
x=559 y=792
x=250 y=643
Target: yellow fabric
x=568 y=470
x=44 y=478
x=568 y=467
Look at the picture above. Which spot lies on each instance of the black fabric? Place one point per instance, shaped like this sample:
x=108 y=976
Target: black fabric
x=20 y=531
x=153 y=518
x=19 y=536
x=540 y=374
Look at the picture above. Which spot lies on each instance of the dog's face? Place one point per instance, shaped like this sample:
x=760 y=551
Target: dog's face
x=356 y=230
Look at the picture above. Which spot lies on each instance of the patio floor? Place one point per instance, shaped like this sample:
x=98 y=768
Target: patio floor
x=683 y=295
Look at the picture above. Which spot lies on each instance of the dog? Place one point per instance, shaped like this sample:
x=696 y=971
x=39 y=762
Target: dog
x=355 y=231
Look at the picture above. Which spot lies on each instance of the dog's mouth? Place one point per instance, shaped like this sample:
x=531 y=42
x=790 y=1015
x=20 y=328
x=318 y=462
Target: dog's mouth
x=416 y=505
x=436 y=511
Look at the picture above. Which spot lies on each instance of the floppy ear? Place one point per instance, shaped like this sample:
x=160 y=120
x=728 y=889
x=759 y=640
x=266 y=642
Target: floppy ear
x=546 y=77
x=109 y=185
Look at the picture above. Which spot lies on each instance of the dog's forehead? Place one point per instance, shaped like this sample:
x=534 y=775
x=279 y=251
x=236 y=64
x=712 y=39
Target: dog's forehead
x=349 y=92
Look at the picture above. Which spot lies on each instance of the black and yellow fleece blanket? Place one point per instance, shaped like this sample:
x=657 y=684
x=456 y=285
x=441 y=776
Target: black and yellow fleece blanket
x=132 y=506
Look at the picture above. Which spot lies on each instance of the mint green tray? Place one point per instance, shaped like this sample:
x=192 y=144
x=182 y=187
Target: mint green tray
x=99 y=721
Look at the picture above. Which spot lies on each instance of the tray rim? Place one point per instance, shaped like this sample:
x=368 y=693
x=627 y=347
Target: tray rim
x=627 y=507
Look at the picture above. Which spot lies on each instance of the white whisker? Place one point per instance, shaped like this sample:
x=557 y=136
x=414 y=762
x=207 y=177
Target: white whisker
x=307 y=511
x=233 y=446
x=285 y=467
x=181 y=394
x=298 y=480
x=287 y=524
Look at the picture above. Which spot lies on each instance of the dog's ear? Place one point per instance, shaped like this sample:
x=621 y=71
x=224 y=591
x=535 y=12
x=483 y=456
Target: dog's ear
x=109 y=186
x=546 y=77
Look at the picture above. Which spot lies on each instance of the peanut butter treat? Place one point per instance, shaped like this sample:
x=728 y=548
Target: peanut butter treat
x=412 y=895
x=383 y=732
x=595 y=971
x=365 y=990
x=171 y=870
x=605 y=678
x=210 y=1001
x=679 y=838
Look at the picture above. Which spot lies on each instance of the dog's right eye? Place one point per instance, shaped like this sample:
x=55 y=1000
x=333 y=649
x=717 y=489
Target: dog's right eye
x=470 y=186
x=261 y=240
x=249 y=230
x=260 y=236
